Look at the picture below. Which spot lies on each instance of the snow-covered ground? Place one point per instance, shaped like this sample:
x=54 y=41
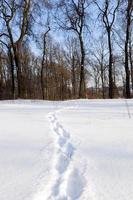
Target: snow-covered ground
x=80 y=149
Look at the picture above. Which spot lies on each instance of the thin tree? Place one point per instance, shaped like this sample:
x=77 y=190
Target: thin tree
x=108 y=14
x=131 y=58
x=44 y=63
x=129 y=11
x=75 y=15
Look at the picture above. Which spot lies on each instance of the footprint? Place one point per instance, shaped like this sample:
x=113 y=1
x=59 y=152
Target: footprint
x=62 y=164
x=55 y=129
x=75 y=185
x=62 y=141
x=55 y=189
x=66 y=134
x=62 y=198
x=69 y=150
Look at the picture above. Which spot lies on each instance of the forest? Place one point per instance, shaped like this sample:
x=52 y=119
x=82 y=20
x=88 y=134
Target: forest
x=66 y=49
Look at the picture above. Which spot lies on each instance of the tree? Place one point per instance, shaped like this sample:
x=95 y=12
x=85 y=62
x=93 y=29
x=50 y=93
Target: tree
x=73 y=62
x=44 y=64
x=108 y=14
x=129 y=11
x=75 y=15
x=99 y=63
x=131 y=57
x=17 y=13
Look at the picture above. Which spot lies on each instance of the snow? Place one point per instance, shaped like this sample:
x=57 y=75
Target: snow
x=79 y=149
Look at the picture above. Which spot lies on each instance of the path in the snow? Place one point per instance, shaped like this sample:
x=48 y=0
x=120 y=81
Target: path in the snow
x=67 y=183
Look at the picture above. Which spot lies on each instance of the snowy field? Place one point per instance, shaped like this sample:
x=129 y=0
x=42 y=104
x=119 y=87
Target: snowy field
x=71 y=150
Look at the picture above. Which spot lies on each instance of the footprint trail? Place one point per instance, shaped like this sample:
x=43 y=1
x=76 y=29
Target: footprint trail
x=68 y=183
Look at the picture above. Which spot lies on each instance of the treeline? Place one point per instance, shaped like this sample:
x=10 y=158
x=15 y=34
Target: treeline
x=66 y=49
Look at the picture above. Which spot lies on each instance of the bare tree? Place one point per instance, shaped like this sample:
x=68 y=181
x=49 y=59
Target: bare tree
x=44 y=64
x=19 y=11
x=75 y=15
x=99 y=63
x=108 y=14
x=131 y=58
x=73 y=62
x=129 y=11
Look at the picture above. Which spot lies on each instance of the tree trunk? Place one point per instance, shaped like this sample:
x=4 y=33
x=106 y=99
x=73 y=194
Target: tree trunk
x=42 y=66
x=18 y=67
x=127 y=70
x=12 y=73
x=73 y=78
x=42 y=78
x=82 y=90
x=131 y=60
x=16 y=49
x=111 y=92
x=128 y=94
x=102 y=80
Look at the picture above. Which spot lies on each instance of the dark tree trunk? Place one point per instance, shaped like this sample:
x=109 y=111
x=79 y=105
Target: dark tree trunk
x=73 y=78
x=43 y=65
x=127 y=70
x=18 y=67
x=131 y=64
x=82 y=90
x=12 y=73
x=46 y=84
x=42 y=78
x=16 y=49
x=111 y=92
x=128 y=94
x=131 y=60
x=102 y=79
